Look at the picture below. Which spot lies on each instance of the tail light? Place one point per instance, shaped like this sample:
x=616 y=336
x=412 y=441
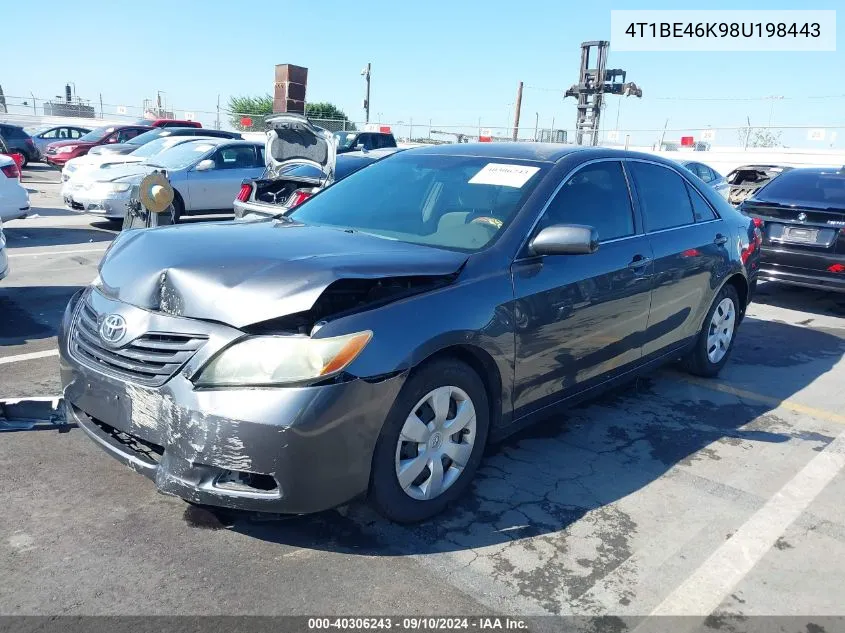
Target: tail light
x=758 y=223
x=299 y=196
x=245 y=192
x=837 y=268
x=30 y=143
x=11 y=171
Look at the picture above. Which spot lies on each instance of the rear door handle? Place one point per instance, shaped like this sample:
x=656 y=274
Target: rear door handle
x=720 y=239
x=639 y=261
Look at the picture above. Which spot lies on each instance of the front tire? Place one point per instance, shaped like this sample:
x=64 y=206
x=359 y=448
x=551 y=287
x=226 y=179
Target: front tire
x=715 y=341
x=432 y=442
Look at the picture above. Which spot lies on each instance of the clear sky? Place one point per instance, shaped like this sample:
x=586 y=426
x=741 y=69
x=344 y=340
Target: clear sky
x=452 y=62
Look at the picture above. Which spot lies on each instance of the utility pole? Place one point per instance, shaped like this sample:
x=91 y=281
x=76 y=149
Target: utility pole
x=536 y=125
x=218 y=112
x=101 y=105
x=366 y=74
x=517 y=112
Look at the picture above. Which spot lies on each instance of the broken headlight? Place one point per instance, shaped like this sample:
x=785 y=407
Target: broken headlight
x=281 y=360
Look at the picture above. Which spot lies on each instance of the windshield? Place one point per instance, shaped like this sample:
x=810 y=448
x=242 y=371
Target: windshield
x=814 y=188
x=154 y=147
x=146 y=137
x=182 y=155
x=454 y=202
x=345 y=139
x=96 y=134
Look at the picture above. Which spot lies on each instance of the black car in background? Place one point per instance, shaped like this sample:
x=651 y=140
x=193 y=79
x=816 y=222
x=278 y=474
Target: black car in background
x=802 y=214
x=19 y=141
x=372 y=340
x=352 y=141
x=142 y=139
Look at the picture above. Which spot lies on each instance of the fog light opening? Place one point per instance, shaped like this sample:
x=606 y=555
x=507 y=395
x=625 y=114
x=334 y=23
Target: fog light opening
x=242 y=481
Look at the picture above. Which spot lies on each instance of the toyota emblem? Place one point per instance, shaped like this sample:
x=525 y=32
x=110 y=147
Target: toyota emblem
x=802 y=217
x=112 y=328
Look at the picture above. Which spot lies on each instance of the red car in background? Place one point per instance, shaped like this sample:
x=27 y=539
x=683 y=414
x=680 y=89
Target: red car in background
x=59 y=153
x=15 y=156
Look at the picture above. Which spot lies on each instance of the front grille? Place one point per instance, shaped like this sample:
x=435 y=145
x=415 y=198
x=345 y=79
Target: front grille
x=150 y=359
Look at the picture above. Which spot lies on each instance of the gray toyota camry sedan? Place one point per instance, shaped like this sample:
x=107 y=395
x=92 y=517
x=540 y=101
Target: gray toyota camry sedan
x=374 y=340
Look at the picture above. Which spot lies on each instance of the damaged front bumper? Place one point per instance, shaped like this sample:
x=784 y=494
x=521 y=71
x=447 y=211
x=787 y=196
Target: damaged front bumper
x=288 y=450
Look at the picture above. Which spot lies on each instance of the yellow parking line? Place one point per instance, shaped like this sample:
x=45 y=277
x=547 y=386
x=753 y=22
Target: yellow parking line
x=797 y=407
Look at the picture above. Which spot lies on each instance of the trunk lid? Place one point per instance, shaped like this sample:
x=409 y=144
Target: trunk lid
x=811 y=235
x=293 y=139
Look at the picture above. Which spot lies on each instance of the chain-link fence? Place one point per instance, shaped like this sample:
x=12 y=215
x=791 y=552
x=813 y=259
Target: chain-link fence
x=34 y=111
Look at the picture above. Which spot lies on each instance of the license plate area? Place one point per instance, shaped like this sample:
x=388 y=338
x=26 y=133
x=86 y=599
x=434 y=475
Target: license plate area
x=801 y=235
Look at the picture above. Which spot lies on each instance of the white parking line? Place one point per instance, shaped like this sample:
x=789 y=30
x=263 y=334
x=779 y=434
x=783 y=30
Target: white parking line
x=710 y=584
x=5 y=360
x=87 y=250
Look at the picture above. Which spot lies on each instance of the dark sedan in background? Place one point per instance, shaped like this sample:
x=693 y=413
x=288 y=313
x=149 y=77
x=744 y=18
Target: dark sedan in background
x=802 y=214
x=373 y=340
x=142 y=139
x=20 y=142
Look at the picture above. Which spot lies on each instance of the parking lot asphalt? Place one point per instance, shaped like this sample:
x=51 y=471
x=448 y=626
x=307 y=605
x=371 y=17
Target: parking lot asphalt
x=672 y=495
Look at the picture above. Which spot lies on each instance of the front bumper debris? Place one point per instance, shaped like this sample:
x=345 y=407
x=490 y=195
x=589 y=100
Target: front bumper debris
x=288 y=450
x=25 y=414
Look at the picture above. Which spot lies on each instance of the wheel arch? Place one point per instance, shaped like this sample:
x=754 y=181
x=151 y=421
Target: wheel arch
x=484 y=365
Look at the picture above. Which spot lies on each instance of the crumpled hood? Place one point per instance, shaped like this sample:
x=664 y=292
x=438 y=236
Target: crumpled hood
x=240 y=274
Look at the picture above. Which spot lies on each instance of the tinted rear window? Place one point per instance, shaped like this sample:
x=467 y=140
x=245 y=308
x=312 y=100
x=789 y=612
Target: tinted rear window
x=805 y=187
x=14 y=132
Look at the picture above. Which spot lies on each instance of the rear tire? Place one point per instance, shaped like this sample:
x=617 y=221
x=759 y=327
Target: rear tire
x=178 y=207
x=415 y=441
x=715 y=341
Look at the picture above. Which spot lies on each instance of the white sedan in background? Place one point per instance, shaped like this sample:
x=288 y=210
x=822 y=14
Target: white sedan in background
x=14 y=199
x=85 y=166
x=206 y=174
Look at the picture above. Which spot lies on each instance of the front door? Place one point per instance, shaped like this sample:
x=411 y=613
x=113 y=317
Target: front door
x=215 y=189
x=690 y=245
x=580 y=319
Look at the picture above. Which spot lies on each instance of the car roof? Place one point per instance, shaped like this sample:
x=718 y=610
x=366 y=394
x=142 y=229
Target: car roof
x=819 y=171
x=216 y=140
x=374 y=154
x=542 y=152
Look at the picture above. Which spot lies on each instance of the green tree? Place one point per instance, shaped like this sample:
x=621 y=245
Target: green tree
x=260 y=107
x=759 y=137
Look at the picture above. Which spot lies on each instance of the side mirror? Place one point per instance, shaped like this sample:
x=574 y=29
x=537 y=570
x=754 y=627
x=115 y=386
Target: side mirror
x=204 y=165
x=565 y=239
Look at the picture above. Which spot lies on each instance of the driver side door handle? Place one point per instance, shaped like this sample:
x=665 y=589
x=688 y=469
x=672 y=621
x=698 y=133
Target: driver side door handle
x=720 y=239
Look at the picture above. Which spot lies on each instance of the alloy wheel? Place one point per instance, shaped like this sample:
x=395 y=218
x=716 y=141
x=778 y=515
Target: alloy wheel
x=435 y=443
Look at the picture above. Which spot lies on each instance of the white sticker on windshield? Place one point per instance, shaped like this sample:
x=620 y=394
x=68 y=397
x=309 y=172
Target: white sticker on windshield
x=202 y=148
x=503 y=175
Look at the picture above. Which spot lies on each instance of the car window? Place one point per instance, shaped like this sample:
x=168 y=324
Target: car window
x=663 y=196
x=75 y=133
x=51 y=134
x=597 y=196
x=701 y=171
x=235 y=157
x=806 y=187
x=701 y=210
x=125 y=135
x=455 y=202
x=16 y=132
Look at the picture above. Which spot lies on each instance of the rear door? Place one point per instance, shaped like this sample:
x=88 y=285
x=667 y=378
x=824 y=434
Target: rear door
x=580 y=319
x=216 y=189
x=690 y=244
